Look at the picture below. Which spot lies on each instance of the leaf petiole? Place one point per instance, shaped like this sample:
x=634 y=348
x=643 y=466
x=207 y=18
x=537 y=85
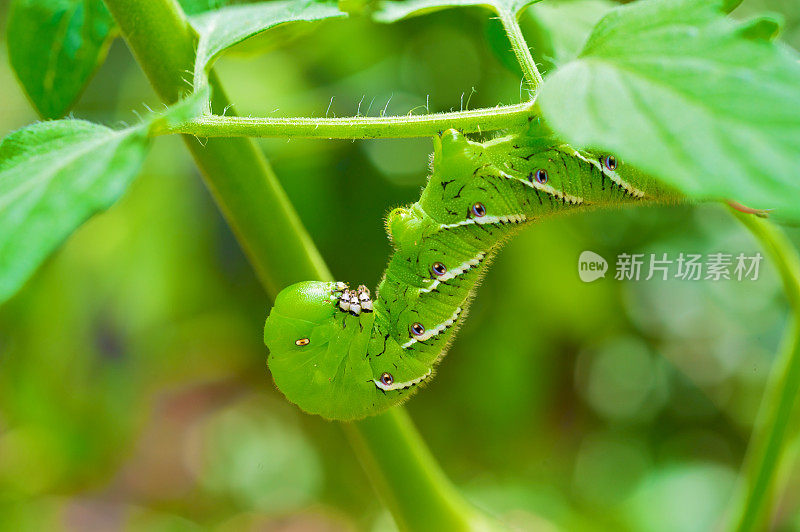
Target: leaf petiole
x=514 y=32
x=359 y=127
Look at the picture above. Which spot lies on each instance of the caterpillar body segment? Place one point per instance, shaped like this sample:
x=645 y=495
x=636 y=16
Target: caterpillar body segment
x=318 y=354
x=344 y=354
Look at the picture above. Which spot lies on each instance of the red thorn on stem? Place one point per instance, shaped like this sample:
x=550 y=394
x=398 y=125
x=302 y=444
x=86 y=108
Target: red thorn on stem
x=761 y=213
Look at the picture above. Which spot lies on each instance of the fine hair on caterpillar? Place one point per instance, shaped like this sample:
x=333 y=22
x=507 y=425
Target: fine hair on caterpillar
x=344 y=354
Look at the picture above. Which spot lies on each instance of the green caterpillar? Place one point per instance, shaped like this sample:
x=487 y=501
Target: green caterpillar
x=338 y=353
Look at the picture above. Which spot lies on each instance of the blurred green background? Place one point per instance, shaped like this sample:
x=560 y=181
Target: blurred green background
x=134 y=392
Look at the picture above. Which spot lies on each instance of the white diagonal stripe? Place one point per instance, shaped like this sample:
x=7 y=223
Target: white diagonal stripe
x=547 y=189
x=400 y=385
x=512 y=218
x=612 y=175
x=430 y=333
x=455 y=272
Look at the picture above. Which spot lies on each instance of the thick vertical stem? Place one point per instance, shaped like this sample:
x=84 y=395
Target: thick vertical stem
x=768 y=453
x=404 y=472
x=240 y=178
x=393 y=454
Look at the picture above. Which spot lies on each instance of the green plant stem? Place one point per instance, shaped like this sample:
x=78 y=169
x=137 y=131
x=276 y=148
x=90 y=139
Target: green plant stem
x=280 y=250
x=359 y=127
x=521 y=50
x=767 y=452
x=238 y=175
x=431 y=503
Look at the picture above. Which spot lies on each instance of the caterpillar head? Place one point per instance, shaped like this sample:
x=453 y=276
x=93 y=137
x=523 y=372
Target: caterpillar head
x=326 y=358
x=291 y=325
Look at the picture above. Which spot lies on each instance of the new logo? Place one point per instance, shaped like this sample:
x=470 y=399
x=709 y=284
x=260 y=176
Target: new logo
x=591 y=266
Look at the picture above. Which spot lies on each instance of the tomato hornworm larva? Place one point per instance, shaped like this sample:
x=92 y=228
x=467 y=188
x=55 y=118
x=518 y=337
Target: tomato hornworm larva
x=343 y=354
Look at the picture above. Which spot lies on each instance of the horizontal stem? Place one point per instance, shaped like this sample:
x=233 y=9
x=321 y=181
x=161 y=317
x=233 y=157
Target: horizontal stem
x=359 y=127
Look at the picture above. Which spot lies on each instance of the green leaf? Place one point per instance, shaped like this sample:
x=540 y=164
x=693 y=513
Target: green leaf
x=180 y=112
x=395 y=10
x=679 y=90
x=53 y=177
x=563 y=27
x=192 y=7
x=390 y=11
x=55 y=46
x=223 y=28
x=766 y=27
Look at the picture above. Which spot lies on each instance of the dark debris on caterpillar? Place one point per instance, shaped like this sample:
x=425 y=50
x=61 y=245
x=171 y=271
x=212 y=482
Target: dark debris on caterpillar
x=343 y=355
